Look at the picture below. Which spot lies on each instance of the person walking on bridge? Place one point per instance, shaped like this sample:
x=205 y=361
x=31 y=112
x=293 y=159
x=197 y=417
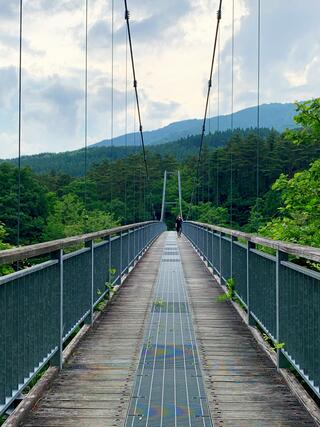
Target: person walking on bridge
x=178 y=225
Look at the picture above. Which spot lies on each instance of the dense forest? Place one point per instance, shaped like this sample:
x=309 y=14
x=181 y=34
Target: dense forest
x=72 y=162
x=55 y=204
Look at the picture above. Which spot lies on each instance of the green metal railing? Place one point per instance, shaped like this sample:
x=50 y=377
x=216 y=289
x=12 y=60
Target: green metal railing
x=41 y=306
x=282 y=297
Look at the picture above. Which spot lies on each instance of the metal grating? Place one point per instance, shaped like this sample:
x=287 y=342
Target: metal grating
x=168 y=389
x=170 y=307
x=172 y=259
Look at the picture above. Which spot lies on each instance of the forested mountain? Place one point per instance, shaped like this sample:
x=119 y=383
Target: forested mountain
x=72 y=162
x=119 y=187
x=54 y=204
x=273 y=116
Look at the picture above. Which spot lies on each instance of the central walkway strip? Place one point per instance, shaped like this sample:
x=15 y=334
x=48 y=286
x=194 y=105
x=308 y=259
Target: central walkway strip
x=168 y=389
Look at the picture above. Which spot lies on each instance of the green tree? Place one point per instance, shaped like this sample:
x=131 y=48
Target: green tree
x=309 y=118
x=210 y=214
x=4 y=269
x=33 y=206
x=300 y=208
x=69 y=218
x=300 y=195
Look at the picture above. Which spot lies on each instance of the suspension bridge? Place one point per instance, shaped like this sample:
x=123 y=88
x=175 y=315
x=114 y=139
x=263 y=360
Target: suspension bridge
x=136 y=326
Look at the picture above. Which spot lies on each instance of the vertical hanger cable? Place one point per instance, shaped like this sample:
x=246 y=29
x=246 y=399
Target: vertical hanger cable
x=19 y=120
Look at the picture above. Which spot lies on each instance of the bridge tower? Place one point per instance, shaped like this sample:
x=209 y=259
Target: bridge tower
x=164 y=202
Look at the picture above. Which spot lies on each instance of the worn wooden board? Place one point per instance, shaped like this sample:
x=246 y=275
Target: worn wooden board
x=94 y=388
x=244 y=388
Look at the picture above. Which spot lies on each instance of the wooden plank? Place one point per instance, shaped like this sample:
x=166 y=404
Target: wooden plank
x=243 y=386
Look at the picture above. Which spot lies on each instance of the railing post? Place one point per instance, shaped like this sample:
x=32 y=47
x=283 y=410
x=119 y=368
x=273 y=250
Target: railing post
x=197 y=245
x=212 y=245
x=89 y=319
x=251 y=320
x=233 y=239
x=220 y=257
x=134 y=247
x=110 y=261
x=282 y=361
x=57 y=360
x=128 y=251
x=207 y=256
x=121 y=254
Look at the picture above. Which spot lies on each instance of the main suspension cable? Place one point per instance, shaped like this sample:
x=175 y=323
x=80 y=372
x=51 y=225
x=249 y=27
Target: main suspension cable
x=135 y=85
x=195 y=182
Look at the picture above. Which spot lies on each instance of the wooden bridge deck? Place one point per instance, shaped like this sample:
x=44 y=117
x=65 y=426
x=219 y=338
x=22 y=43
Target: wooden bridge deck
x=242 y=385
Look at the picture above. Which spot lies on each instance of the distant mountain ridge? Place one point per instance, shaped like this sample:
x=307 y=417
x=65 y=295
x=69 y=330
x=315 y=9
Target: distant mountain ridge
x=277 y=116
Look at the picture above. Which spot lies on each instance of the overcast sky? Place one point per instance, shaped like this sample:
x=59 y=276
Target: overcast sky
x=172 y=43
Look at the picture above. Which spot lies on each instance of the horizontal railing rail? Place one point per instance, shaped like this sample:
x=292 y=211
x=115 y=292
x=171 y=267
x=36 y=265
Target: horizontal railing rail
x=43 y=305
x=279 y=295
x=10 y=256
x=307 y=252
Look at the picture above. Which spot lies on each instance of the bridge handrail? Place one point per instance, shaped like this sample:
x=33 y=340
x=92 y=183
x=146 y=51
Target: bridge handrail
x=43 y=305
x=308 y=252
x=279 y=295
x=9 y=256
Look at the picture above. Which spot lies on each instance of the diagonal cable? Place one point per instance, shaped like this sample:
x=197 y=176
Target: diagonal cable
x=206 y=105
x=135 y=85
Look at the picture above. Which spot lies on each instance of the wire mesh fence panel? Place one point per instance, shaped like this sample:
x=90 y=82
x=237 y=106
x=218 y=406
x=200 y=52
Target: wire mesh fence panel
x=262 y=270
x=29 y=327
x=76 y=289
x=124 y=252
x=216 y=252
x=132 y=253
x=209 y=245
x=100 y=271
x=239 y=269
x=115 y=273
x=299 y=319
x=225 y=258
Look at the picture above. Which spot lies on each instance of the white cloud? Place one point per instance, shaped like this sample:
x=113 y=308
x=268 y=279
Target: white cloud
x=172 y=45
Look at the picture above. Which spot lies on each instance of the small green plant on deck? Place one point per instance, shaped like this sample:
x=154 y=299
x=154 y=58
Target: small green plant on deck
x=229 y=295
x=274 y=345
x=278 y=346
x=149 y=344
x=159 y=303
x=101 y=305
x=110 y=287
